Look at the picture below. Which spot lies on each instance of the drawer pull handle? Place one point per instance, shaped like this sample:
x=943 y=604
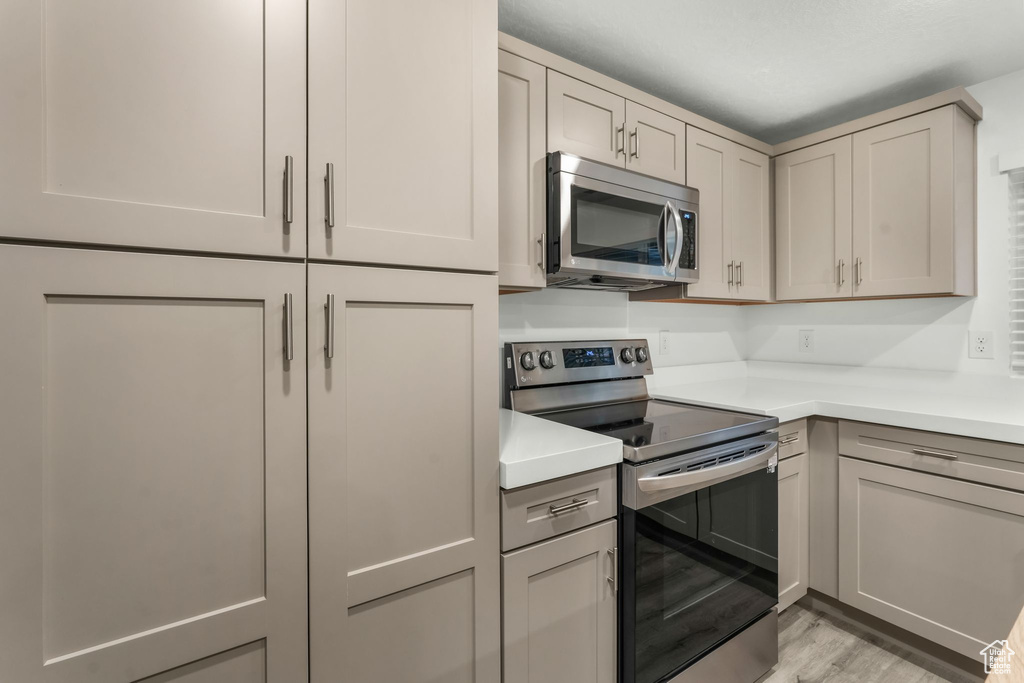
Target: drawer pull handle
x=788 y=440
x=934 y=454
x=614 y=578
x=576 y=504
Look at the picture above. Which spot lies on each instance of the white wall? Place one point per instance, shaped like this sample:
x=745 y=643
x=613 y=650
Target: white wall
x=919 y=333
x=928 y=334
x=697 y=333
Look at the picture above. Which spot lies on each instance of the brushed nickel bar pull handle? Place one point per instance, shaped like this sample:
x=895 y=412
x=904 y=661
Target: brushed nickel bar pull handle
x=614 y=578
x=329 y=343
x=289 y=338
x=842 y=272
x=788 y=440
x=289 y=190
x=730 y=266
x=634 y=144
x=739 y=274
x=858 y=272
x=540 y=260
x=329 y=180
x=576 y=504
x=934 y=454
x=620 y=134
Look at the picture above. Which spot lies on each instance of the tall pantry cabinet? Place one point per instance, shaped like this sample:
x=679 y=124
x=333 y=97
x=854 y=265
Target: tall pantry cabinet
x=156 y=401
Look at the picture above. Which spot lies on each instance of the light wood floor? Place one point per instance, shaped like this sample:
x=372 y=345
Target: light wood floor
x=815 y=647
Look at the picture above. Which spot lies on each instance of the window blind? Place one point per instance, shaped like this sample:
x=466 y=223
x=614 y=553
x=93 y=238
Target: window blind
x=1017 y=272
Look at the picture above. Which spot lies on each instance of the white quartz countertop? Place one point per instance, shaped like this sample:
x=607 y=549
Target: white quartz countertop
x=974 y=406
x=533 y=450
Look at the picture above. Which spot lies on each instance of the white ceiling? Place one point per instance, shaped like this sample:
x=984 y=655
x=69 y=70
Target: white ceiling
x=777 y=69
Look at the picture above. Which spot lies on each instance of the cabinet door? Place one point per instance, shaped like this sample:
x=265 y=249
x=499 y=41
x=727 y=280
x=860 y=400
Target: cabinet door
x=558 y=606
x=794 y=529
x=903 y=190
x=656 y=143
x=155 y=124
x=813 y=222
x=403 y=486
x=403 y=107
x=749 y=224
x=522 y=172
x=153 y=478
x=708 y=158
x=937 y=556
x=585 y=120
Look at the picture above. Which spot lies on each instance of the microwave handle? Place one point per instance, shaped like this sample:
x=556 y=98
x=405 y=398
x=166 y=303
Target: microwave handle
x=674 y=265
x=663 y=236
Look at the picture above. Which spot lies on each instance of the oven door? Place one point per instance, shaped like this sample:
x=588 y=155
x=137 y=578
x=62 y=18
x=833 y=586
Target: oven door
x=615 y=231
x=699 y=549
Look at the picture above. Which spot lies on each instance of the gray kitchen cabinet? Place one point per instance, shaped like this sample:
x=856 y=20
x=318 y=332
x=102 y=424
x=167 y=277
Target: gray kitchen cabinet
x=937 y=556
x=814 y=222
x=403 y=476
x=585 y=120
x=656 y=143
x=522 y=172
x=733 y=226
x=153 y=478
x=123 y=125
x=914 y=213
x=559 y=609
x=794 y=529
x=403 y=133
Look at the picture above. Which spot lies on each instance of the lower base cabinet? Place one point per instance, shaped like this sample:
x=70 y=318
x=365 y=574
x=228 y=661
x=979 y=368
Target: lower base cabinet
x=559 y=609
x=152 y=468
x=794 y=529
x=940 y=557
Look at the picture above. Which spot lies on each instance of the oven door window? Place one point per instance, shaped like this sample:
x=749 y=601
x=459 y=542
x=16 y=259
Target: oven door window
x=610 y=227
x=704 y=567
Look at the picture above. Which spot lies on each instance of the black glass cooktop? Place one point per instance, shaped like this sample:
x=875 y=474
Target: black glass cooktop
x=652 y=429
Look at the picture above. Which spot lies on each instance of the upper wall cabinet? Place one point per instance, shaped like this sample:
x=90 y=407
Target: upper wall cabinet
x=522 y=172
x=403 y=132
x=124 y=124
x=887 y=211
x=813 y=222
x=913 y=198
x=733 y=229
x=595 y=124
x=656 y=143
x=585 y=120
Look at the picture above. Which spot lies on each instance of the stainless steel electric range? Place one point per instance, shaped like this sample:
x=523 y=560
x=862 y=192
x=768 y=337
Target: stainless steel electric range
x=698 y=511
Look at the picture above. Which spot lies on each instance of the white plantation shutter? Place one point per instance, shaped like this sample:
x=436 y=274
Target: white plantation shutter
x=1017 y=272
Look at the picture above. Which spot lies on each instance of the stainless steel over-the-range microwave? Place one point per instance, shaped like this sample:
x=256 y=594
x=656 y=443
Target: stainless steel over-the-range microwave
x=614 y=229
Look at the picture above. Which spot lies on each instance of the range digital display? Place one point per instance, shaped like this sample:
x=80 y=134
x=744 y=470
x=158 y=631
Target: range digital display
x=587 y=358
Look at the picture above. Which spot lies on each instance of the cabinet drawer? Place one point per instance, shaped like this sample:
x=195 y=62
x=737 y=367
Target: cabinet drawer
x=533 y=513
x=792 y=438
x=986 y=462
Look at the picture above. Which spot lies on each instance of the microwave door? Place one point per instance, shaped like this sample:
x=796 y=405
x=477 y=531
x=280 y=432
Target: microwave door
x=609 y=229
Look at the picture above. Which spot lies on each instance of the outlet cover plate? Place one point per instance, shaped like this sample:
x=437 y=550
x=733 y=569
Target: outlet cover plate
x=805 y=341
x=980 y=344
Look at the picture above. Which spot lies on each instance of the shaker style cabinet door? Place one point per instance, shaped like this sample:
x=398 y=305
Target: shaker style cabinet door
x=749 y=225
x=559 y=609
x=153 y=478
x=905 y=196
x=403 y=124
x=939 y=557
x=794 y=529
x=522 y=172
x=708 y=160
x=166 y=125
x=813 y=222
x=655 y=143
x=403 y=485
x=585 y=120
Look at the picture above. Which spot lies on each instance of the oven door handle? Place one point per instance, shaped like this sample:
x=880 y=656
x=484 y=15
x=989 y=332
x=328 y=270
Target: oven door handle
x=709 y=476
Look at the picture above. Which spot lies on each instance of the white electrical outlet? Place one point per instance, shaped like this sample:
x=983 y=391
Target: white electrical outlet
x=980 y=344
x=805 y=341
x=663 y=342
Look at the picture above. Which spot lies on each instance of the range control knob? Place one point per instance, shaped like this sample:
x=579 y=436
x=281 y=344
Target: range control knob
x=627 y=355
x=526 y=360
x=641 y=354
x=547 y=361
